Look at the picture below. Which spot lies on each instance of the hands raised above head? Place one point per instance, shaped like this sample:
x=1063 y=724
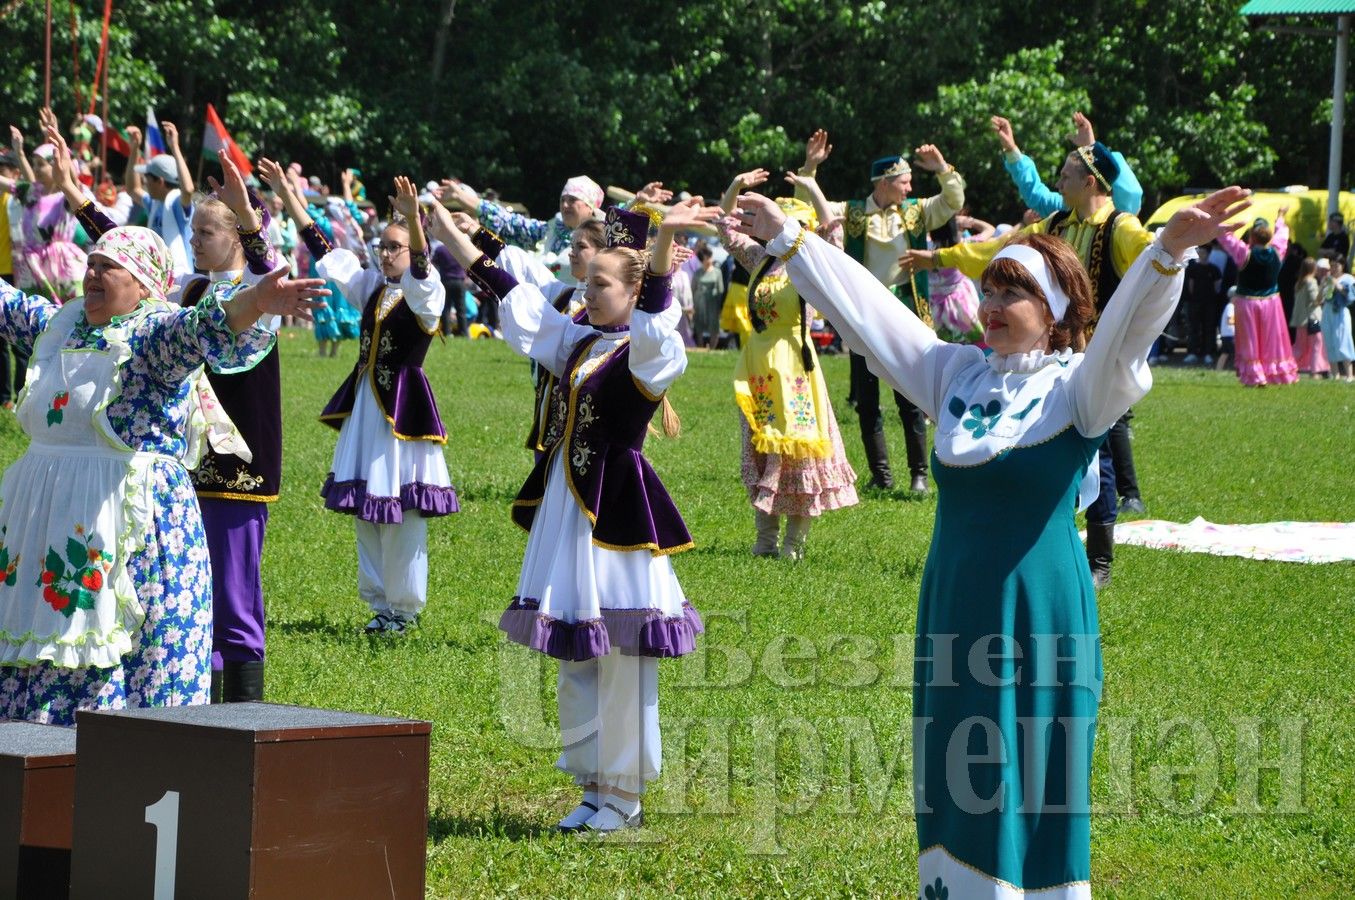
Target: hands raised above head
x=232 y=190
x=930 y=158
x=653 y=193
x=406 y=199
x=817 y=149
x=466 y=224
x=1002 y=127
x=274 y=176
x=1082 y=134
x=462 y=193
x=688 y=213
x=758 y=217
x=171 y=133
x=751 y=178
x=1201 y=222
x=63 y=168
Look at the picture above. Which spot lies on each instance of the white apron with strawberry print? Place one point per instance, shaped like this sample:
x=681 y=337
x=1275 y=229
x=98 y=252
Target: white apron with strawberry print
x=73 y=509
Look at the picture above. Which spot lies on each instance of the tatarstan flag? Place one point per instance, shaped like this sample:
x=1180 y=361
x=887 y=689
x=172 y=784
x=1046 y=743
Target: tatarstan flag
x=116 y=138
x=216 y=138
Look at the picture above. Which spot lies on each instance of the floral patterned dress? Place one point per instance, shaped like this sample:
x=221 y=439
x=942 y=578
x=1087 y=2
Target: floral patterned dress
x=793 y=460
x=47 y=259
x=149 y=645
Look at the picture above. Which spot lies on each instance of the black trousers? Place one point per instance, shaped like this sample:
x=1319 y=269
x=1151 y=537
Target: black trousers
x=1203 y=319
x=866 y=393
x=1122 y=452
x=1105 y=507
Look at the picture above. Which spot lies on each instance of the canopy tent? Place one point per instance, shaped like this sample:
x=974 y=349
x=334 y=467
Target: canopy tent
x=1342 y=10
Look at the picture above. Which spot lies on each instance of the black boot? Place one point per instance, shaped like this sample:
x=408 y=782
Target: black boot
x=877 y=457
x=241 y=681
x=1100 y=551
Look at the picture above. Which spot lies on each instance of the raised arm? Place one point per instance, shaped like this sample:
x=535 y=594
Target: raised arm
x=1023 y=172
x=1234 y=246
x=742 y=182
x=938 y=209
x=531 y=326
x=131 y=178
x=260 y=256
x=808 y=185
x=91 y=218
x=657 y=355
x=1114 y=372
x=978 y=229
x=316 y=243
x=1280 y=240
x=186 y=185
x=422 y=288
x=896 y=344
x=16 y=143
x=276 y=295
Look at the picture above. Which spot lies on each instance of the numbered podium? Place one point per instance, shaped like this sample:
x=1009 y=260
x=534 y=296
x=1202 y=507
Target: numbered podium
x=249 y=800
x=37 y=802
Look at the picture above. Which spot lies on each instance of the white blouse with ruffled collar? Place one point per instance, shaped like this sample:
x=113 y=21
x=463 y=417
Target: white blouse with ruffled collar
x=985 y=404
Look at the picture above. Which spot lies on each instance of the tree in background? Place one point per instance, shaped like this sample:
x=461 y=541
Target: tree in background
x=520 y=94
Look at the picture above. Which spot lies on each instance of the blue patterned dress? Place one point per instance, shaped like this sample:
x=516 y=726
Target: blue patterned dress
x=169 y=662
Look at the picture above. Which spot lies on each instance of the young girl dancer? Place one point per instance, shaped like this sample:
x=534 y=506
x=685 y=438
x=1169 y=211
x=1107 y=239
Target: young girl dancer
x=597 y=590
x=793 y=461
x=388 y=470
x=565 y=297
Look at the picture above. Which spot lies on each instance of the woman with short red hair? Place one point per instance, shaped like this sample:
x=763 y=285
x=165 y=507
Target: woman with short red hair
x=1007 y=671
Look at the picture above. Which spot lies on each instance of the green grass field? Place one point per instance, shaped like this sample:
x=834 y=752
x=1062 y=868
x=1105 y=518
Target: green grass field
x=786 y=737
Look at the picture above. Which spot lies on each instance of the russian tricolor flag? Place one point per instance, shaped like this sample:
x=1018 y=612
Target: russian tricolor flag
x=155 y=141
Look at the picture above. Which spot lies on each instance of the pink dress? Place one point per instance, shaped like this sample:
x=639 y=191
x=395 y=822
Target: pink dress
x=47 y=260
x=1309 y=352
x=1263 y=354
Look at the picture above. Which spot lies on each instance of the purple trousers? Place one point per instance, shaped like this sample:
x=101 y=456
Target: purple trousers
x=235 y=532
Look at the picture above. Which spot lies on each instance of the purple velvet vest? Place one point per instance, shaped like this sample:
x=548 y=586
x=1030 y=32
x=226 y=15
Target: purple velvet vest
x=253 y=400
x=390 y=358
x=600 y=428
x=545 y=383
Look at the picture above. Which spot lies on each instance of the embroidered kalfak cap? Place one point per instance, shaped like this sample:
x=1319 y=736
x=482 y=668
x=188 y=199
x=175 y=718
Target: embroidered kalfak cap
x=626 y=229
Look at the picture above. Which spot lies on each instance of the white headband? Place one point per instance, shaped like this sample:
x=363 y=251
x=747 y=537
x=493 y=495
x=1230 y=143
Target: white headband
x=1033 y=262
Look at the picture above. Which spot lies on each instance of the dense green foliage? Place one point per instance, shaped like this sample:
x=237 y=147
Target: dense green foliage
x=1196 y=648
x=530 y=92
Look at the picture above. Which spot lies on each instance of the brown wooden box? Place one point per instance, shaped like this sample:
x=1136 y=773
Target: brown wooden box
x=272 y=801
x=37 y=804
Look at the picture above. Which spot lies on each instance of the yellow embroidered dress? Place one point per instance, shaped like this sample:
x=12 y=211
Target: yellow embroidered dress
x=793 y=460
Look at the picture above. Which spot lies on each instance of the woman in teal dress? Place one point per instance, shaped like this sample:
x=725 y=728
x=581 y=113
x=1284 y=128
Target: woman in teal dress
x=1007 y=671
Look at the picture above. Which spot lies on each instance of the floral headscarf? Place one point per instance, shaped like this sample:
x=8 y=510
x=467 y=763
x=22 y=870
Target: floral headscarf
x=143 y=253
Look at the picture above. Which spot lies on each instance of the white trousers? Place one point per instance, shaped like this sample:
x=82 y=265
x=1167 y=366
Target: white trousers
x=393 y=564
x=609 y=721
